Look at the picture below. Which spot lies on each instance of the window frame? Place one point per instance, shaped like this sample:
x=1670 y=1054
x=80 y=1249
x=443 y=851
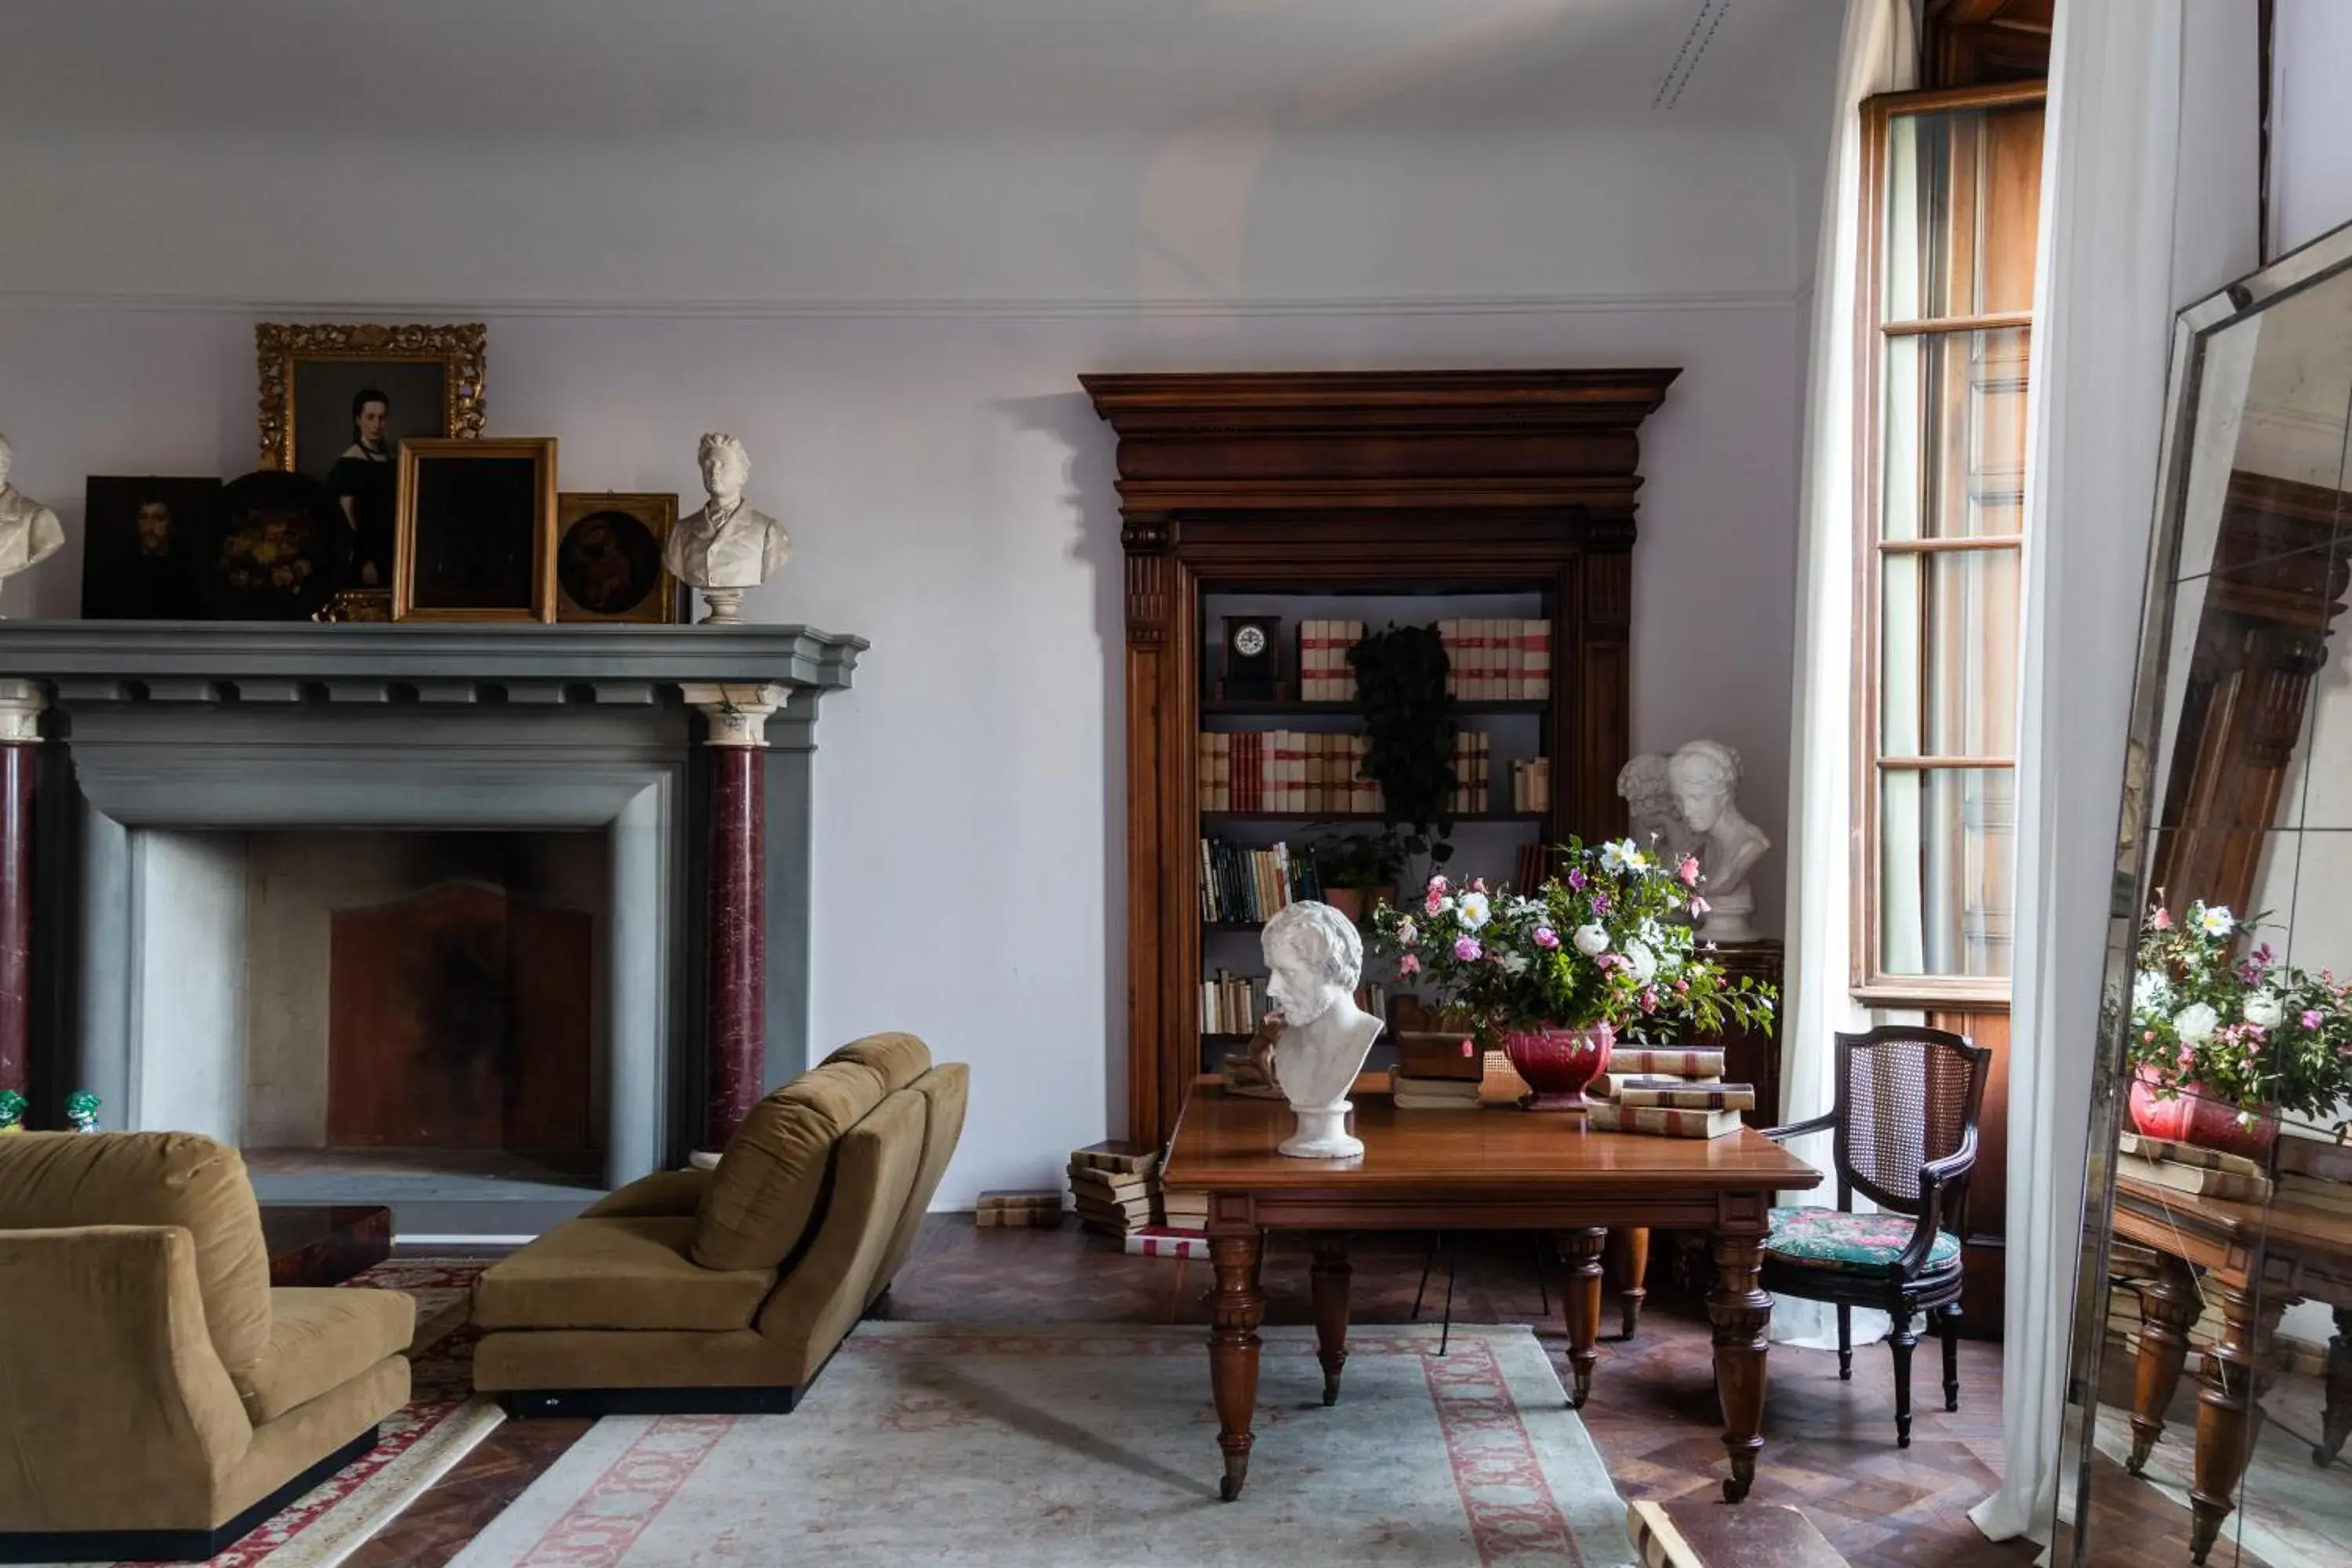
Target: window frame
x=1871 y=984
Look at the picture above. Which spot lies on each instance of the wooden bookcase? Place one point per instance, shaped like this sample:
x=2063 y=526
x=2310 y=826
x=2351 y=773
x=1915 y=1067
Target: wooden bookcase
x=1317 y=488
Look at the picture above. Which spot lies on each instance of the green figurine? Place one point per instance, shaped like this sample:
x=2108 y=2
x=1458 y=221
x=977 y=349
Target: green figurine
x=11 y=1113
x=81 y=1110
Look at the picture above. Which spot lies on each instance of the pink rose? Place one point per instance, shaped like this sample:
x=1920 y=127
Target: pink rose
x=1699 y=906
x=1688 y=870
x=2161 y=921
x=2311 y=1018
x=1682 y=988
x=1547 y=937
x=1435 y=906
x=1405 y=934
x=1576 y=880
x=1477 y=884
x=1408 y=964
x=1649 y=999
x=1466 y=948
x=1438 y=886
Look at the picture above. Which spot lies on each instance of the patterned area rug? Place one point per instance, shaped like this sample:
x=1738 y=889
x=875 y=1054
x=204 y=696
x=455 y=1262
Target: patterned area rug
x=417 y=1444
x=2290 y=1513
x=1093 y=1446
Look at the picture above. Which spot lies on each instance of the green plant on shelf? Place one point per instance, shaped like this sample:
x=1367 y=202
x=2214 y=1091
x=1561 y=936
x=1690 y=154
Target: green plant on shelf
x=1408 y=732
x=1360 y=859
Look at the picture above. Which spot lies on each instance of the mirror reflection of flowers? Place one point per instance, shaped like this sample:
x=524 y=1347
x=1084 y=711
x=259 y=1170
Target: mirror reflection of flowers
x=2247 y=1030
x=1605 y=941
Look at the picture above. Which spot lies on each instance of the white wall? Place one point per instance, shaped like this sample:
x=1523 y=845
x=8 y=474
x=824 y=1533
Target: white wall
x=949 y=492
x=188 y=908
x=2311 y=136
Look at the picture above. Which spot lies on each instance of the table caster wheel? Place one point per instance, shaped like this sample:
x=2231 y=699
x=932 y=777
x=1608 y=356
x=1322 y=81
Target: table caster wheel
x=1734 y=1491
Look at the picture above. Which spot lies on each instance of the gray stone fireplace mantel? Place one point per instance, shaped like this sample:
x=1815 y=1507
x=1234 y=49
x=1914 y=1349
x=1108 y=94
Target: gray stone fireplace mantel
x=158 y=731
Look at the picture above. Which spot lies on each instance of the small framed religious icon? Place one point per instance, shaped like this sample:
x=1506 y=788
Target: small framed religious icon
x=1253 y=658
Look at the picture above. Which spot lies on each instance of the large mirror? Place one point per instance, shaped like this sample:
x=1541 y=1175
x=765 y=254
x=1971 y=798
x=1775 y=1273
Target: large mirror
x=2211 y=1393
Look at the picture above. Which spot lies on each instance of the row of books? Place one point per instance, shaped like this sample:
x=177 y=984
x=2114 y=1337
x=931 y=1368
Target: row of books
x=1666 y=1092
x=1497 y=660
x=1324 y=674
x=1234 y=1004
x=1473 y=760
x=1531 y=784
x=1303 y=773
x=2192 y=1168
x=1242 y=884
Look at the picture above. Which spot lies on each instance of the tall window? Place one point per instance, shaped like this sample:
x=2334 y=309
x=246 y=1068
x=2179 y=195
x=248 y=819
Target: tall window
x=1953 y=187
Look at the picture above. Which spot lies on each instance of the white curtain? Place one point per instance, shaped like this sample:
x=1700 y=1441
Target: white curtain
x=1875 y=56
x=2146 y=204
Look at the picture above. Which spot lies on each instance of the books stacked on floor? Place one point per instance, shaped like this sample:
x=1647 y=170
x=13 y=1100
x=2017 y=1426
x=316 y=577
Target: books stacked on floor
x=1497 y=660
x=2188 y=1168
x=1166 y=1241
x=1324 y=672
x=1531 y=785
x=1672 y=1093
x=1115 y=1186
x=1246 y=885
x=1041 y=1208
x=1472 y=764
x=1186 y=1211
x=1296 y=772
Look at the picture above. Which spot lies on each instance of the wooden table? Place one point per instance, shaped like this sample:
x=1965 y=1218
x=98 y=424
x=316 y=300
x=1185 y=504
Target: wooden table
x=1490 y=1170
x=322 y=1244
x=2261 y=1260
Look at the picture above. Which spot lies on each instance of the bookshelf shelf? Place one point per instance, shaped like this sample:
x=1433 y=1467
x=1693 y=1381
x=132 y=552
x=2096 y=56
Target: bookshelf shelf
x=1215 y=819
x=1252 y=708
x=1231 y=928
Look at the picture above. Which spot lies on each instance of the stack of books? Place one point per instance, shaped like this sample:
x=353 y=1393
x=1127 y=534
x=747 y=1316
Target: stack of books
x=1292 y=771
x=1497 y=660
x=1324 y=673
x=1432 y=1093
x=1668 y=1093
x=1472 y=763
x=1531 y=786
x=1115 y=1186
x=1041 y=1209
x=2188 y=1168
x=1186 y=1211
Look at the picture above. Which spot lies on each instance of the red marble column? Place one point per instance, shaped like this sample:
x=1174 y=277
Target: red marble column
x=737 y=716
x=19 y=763
x=739 y=942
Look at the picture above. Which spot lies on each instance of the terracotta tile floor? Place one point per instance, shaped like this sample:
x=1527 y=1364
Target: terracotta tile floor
x=1829 y=1447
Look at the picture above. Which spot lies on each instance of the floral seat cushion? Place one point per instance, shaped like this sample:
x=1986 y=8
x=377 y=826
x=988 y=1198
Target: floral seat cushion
x=1817 y=1238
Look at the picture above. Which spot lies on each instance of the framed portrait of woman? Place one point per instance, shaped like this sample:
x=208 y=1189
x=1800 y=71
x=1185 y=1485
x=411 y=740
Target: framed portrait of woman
x=337 y=400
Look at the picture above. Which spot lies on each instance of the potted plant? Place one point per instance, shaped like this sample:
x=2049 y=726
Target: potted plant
x=1356 y=870
x=1554 y=975
x=1409 y=730
x=2221 y=1045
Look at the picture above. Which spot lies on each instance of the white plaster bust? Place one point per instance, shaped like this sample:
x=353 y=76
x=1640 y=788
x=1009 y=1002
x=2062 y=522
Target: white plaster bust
x=1316 y=958
x=727 y=546
x=29 y=531
x=1650 y=805
x=1705 y=774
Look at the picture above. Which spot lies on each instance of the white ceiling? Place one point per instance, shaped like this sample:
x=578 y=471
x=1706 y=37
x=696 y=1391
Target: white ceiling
x=762 y=69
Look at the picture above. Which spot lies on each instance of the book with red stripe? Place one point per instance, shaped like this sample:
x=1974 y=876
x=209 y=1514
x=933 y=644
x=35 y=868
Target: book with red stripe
x=1161 y=1241
x=1659 y=1122
x=1682 y=1096
x=1675 y=1061
x=1611 y=1086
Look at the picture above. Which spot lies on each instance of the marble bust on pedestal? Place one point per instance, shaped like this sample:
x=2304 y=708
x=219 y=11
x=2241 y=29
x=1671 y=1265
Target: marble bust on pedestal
x=29 y=531
x=1705 y=775
x=1316 y=958
x=728 y=546
x=1655 y=817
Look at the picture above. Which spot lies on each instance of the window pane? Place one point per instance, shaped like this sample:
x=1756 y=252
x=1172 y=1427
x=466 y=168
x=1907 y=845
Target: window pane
x=1946 y=848
x=1962 y=199
x=1953 y=435
x=1948 y=653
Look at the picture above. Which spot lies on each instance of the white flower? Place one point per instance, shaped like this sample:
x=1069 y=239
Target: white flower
x=1623 y=855
x=1472 y=910
x=2215 y=922
x=1591 y=940
x=1644 y=961
x=1670 y=962
x=2265 y=1010
x=2195 y=1024
x=2151 y=995
x=1513 y=962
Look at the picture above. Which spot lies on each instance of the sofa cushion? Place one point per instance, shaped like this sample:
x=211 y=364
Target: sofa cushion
x=900 y=1058
x=763 y=1196
x=946 y=1089
x=1815 y=1237
x=620 y=1273
x=49 y=1180
x=319 y=1339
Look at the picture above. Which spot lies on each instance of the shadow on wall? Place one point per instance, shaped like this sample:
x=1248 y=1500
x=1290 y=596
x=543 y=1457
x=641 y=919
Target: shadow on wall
x=1089 y=475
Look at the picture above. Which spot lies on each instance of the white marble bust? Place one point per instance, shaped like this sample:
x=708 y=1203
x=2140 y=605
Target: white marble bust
x=1657 y=817
x=29 y=531
x=1316 y=958
x=1705 y=775
x=727 y=546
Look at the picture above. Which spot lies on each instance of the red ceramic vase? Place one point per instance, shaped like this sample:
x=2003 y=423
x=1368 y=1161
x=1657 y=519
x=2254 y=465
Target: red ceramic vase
x=1559 y=1063
x=2191 y=1117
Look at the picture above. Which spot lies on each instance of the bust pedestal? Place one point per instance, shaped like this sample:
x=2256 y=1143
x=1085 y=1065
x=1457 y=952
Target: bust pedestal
x=1323 y=1133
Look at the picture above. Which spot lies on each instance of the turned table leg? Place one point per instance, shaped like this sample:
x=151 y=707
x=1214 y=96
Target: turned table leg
x=1234 y=1307
x=1579 y=1305
x=1328 y=1280
x=2227 y=1415
x=2335 y=1420
x=1742 y=1313
x=1628 y=1261
x=2166 y=1307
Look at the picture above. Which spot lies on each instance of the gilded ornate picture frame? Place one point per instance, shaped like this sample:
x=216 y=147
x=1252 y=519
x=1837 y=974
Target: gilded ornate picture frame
x=476 y=529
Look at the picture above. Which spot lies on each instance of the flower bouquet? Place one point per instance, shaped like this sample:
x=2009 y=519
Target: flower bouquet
x=2221 y=1046
x=1552 y=976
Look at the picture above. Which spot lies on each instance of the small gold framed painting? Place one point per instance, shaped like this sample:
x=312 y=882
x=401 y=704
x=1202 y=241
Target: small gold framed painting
x=477 y=530
x=608 y=558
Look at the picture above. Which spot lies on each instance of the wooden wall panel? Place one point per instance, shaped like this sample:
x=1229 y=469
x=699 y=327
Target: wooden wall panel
x=1988 y=1222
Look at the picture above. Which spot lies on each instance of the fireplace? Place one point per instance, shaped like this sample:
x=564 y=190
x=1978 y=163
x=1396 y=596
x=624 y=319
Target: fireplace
x=396 y=905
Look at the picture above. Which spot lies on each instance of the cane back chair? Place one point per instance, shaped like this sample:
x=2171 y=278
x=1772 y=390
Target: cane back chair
x=1904 y=1135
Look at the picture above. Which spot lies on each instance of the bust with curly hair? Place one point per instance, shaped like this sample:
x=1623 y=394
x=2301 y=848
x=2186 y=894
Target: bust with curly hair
x=1315 y=957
